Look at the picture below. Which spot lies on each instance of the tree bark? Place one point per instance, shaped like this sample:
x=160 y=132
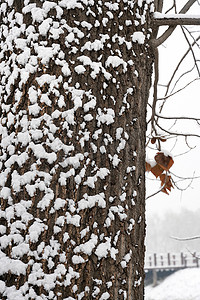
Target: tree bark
x=75 y=79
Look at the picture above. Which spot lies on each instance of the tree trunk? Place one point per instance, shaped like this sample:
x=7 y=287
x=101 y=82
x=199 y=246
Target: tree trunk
x=75 y=79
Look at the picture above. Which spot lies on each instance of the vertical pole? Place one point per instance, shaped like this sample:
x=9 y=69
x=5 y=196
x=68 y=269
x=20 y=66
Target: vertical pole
x=182 y=259
x=174 y=259
x=196 y=259
x=154 y=277
x=185 y=260
x=168 y=257
x=155 y=260
x=150 y=261
x=161 y=260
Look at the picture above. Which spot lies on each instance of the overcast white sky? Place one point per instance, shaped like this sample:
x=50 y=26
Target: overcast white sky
x=186 y=103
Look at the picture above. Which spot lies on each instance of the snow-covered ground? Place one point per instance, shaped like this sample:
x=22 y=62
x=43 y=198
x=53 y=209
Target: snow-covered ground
x=182 y=285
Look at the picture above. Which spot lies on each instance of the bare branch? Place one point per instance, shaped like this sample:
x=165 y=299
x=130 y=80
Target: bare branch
x=177 y=118
x=177 y=155
x=158 y=5
x=173 y=6
x=169 y=21
x=186 y=141
x=157 y=42
x=185 y=178
x=168 y=32
x=182 y=189
x=191 y=50
x=194 y=40
x=178 y=134
x=166 y=97
x=155 y=87
x=176 y=140
x=160 y=190
x=179 y=63
x=181 y=76
x=187 y=6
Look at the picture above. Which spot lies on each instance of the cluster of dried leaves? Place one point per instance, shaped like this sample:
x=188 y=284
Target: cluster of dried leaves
x=160 y=169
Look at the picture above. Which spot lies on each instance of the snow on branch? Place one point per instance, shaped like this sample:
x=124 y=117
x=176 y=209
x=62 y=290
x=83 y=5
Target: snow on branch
x=175 y=19
x=172 y=23
x=158 y=16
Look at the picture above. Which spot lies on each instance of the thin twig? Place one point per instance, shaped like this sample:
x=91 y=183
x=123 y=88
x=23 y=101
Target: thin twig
x=155 y=88
x=191 y=51
x=156 y=192
x=178 y=134
x=190 y=33
x=173 y=6
x=168 y=96
x=178 y=65
x=185 y=178
x=181 y=76
x=160 y=190
x=180 y=154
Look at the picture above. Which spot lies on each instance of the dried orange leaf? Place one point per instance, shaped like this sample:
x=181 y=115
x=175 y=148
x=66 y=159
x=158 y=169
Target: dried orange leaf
x=157 y=170
x=166 y=181
x=163 y=140
x=165 y=191
x=153 y=140
x=164 y=161
x=148 y=167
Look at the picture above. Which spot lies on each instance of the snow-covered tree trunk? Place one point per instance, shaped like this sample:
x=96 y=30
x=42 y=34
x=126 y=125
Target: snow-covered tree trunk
x=75 y=78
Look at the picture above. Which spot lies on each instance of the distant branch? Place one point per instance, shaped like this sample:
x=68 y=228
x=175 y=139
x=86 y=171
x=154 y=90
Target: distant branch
x=185 y=239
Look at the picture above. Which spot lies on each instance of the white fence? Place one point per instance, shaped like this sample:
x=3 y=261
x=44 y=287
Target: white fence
x=171 y=261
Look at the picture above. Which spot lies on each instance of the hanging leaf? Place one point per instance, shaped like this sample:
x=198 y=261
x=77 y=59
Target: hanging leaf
x=153 y=140
x=164 y=190
x=166 y=181
x=157 y=170
x=164 y=161
x=163 y=139
x=148 y=167
x=160 y=138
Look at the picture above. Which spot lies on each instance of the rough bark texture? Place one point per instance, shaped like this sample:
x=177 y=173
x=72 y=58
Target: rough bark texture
x=75 y=78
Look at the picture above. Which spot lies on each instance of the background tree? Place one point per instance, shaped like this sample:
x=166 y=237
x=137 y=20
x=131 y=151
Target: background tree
x=75 y=80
